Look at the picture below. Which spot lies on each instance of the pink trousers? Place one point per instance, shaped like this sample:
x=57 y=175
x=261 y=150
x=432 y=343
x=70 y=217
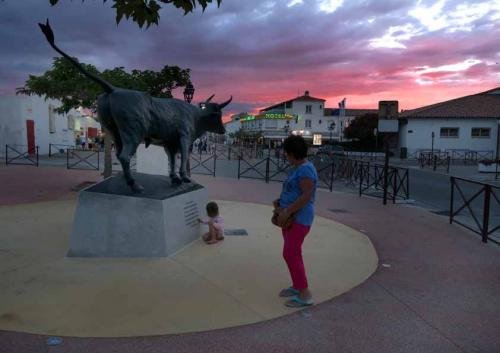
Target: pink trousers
x=292 y=253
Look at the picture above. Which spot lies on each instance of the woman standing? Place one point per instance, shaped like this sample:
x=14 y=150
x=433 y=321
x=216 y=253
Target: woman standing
x=297 y=199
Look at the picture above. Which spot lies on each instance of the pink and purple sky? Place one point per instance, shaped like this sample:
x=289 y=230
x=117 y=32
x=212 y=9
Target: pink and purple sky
x=263 y=52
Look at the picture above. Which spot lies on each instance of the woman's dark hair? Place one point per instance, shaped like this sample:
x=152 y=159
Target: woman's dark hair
x=296 y=146
x=212 y=209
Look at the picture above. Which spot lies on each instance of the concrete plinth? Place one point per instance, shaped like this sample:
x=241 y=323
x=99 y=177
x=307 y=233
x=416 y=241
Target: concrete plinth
x=111 y=221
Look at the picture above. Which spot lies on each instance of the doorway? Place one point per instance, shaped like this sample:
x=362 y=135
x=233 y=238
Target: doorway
x=30 y=134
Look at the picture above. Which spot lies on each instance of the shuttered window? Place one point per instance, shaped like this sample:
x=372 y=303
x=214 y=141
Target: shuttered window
x=480 y=132
x=449 y=132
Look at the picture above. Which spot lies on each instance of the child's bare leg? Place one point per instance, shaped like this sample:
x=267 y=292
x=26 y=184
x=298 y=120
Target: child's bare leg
x=219 y=235
x=206 y=236
x=212 y=234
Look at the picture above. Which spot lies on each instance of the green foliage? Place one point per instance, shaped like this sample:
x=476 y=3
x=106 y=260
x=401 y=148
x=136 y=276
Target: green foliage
x=65 y=83
x=361 y=130
x=148 y=11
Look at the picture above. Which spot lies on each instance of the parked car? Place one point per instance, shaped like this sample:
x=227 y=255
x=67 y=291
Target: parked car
x=330 y=150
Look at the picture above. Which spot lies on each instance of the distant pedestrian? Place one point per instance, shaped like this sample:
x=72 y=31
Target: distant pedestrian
x=78 y=141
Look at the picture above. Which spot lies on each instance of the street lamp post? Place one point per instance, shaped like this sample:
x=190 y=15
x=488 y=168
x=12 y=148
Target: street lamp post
x=188 y=97
x=375 y=132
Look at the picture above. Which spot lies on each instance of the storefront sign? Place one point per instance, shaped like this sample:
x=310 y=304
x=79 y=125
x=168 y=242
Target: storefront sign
x=268 y=116
x=317 y=139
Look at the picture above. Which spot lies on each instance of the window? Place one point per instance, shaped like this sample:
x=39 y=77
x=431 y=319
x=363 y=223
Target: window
x=449 y=132
x=52 y=119
x=308 y=123
x=308 y=109
x=319 y=122
x=288 y=105
x=320 y=106
x=480 y=132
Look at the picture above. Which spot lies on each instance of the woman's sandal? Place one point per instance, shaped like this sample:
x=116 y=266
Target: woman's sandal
x=296 y=302
x=288 y=292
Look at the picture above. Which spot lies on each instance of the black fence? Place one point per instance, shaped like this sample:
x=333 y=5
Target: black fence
x=58 y=150
x=367 y=176
x=370 y=156
x=372 y=181
x=434 y=160
x=200 y=163
x=426 y=157
x=21 y=155
x=82 y=159
x=481 y=206
x=416 y=153
x=468 y=156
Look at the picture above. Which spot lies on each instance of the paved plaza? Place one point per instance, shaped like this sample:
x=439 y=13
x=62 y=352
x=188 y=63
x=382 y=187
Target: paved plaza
x=433 y=287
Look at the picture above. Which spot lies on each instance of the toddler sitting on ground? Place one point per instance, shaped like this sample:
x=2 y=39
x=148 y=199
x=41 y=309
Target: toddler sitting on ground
x=215 y=224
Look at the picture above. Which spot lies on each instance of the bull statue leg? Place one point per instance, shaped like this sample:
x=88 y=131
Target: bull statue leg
x=128 y=149
x=185 y=144
x=171 y=160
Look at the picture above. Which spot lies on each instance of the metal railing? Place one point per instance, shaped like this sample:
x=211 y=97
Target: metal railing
x=368 y=177
x=485 y=214
x=21 y=155
x=224 y=151
x=85 y=159
x=58 y=150
x=253 y=169
x=444 y=162
x=371 y=181
x=416 y=153
x=434 y=159
x=371 y=156
x=468 y=156
x=199 y=163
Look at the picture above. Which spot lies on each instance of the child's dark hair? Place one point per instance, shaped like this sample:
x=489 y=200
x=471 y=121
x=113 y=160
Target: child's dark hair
x=212 y=209
x=296 y=146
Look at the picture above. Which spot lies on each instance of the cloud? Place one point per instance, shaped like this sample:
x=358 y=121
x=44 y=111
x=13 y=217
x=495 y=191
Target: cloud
x=263 y=52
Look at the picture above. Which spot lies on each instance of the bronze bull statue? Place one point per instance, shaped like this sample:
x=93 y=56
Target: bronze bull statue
x=132 y=117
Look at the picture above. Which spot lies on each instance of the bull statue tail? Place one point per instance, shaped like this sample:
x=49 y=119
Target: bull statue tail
x=50 y=38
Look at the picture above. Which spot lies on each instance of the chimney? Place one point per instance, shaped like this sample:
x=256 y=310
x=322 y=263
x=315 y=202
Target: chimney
x=306 y=93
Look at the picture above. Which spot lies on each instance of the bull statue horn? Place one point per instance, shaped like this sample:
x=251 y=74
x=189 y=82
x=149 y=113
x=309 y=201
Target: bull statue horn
x=222 y=105
x=209 y=98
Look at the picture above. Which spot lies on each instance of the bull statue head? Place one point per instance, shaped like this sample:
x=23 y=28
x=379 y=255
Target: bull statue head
x=212 y=115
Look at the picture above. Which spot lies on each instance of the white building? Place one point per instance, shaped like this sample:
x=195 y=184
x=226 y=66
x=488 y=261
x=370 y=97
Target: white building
x=466 y=123
x=233 y=126
x=304 y=115
x=32 y=121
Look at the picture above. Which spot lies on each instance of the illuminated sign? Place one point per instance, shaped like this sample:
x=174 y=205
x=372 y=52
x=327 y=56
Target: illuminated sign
x=317 y=139
x=269 y=116
x=278 y=116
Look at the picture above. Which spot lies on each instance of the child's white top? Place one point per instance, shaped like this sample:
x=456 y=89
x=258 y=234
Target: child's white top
x=217 y=221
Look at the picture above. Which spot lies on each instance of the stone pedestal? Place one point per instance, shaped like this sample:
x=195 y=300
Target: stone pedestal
x=111 y=221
